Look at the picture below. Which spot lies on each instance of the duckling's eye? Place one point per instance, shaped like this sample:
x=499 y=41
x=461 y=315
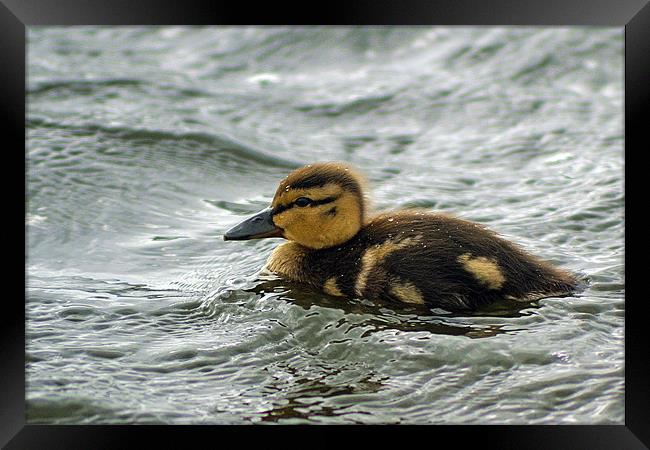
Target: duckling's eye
x=302 y=201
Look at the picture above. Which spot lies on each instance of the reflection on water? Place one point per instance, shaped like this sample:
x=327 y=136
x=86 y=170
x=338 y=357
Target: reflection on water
x=378 y=315
x=306 y=400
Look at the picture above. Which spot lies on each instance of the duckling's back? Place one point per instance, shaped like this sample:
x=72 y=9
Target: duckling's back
x=442 y=261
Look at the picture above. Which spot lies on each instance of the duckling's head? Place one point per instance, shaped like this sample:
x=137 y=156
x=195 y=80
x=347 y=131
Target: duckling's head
x=318 y=206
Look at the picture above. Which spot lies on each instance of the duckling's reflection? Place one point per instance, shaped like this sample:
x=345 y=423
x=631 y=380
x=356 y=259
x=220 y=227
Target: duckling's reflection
x=385 y=315
x=305 y=401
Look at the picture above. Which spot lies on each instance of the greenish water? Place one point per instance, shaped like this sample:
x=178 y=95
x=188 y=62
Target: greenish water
x=146 y=144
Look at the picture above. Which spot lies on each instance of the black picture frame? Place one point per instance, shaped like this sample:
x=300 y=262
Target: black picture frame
x=632 y=15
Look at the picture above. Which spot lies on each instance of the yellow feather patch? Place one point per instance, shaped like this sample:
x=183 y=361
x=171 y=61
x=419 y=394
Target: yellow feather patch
x=407 y=292
x=330 y=287
x=286 y=260
x=485 y=270
x=375 y=255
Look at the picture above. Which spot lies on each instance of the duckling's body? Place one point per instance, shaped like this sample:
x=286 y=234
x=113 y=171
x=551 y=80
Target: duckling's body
x=422 y=258
x=409 y=256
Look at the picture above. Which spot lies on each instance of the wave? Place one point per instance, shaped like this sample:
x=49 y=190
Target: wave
x=223 y=142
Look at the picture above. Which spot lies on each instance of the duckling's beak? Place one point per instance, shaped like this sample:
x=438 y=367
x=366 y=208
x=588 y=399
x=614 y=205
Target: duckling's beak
x=259 y=226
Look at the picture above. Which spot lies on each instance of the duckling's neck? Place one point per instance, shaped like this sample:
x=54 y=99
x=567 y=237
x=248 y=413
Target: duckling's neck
x=287 y=260
x=330 y=269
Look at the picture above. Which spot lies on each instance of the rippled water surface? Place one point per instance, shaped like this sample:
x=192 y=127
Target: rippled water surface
x=146 y=144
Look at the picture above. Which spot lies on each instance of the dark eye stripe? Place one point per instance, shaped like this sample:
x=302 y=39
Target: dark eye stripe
x=325 y=200
x=282 y=208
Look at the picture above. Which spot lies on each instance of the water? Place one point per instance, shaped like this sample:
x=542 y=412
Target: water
x=146 y=144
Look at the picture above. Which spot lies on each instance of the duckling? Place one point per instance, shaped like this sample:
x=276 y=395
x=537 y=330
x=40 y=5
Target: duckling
x=411 y=256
